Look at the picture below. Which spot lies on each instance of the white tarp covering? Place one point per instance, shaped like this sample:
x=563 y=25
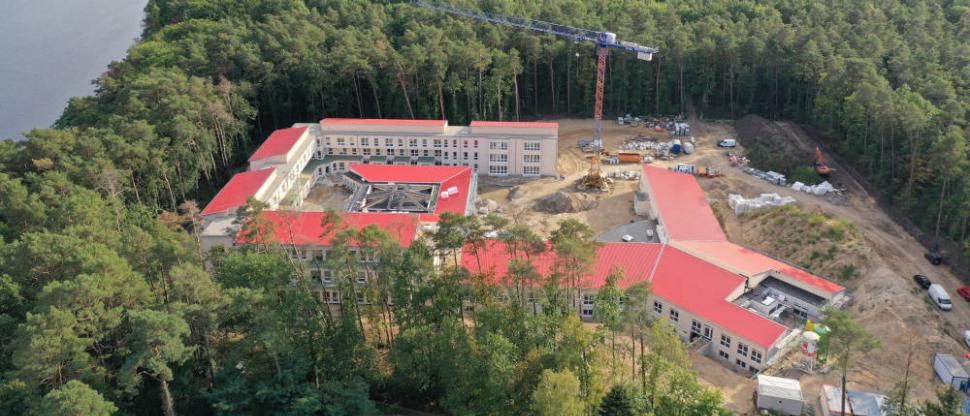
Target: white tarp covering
x=741 y=205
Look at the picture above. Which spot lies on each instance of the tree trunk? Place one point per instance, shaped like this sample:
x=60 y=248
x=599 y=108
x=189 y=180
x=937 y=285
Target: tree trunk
x=939 y=214
x=656 y=97
x=168 y=407
x=360 y=105
x=404 y=89
x=515 y=81
x=552 y=86
x=377 y=100
x=441 y=99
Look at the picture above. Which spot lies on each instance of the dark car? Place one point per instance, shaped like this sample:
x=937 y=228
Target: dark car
x=934 y=258
x=922 y=281
x=964 y=292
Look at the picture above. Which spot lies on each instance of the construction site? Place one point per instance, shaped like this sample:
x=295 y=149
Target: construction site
x=841 y=234
x=770 y=229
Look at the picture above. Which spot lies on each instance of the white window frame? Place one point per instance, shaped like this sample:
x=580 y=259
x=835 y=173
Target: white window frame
x=532 y=146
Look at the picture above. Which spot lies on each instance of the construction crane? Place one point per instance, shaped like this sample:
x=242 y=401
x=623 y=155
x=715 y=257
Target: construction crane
x=604 y=41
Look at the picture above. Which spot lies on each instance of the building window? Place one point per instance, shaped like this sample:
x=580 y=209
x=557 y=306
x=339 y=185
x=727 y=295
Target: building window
x=674 y=315
x=436 y=143
x=414 y=152
x=723 y=355
x=364 y=141
x=695 y=327
x=424 y=142
x=377 y=152
x=588 y=300
x=341 y=141
x=725 y=341
x=400 y=142
x=476 y=155
x=587 y=313
x=362 y=278
x=390 y=152
x=413 y=142
x=353 y=151
x=498 y=145
x=365 y=151
x=742 y=349
x=476 y=144
x=327 y=275
x=498 y=158
x=740 y=363
x=658 y=307
x=530 y=158
x=756 y=357
x=331 y=296
x=388 y=142
x=530 y=170
x=464 y=155
x=532 y=146
x=361 y=297
x=498 y=170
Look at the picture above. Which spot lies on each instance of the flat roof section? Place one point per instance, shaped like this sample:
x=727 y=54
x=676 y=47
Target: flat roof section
x=682 y=205
x=522 y=124
x=447 y=177
x=278 y=143
x=384 y=121
x=237 y=191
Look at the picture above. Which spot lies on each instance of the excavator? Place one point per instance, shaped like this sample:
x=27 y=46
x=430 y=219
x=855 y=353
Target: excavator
x=820 y=167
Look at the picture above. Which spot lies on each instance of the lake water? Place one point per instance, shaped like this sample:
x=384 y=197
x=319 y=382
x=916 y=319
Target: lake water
x=51 y=50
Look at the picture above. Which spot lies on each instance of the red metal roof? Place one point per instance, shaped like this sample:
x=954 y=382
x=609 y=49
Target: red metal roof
x=636 y=260
x=239 y=188
x=524 y=124
x=684 y=210
x=278 y=143
x=445 y=176
x=384 y=121
x=702 y=289
x=306 y=228
x=750 y=262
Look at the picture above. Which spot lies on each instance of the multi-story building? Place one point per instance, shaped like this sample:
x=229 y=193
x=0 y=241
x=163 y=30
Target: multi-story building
x=743 y=306
x=495 y=148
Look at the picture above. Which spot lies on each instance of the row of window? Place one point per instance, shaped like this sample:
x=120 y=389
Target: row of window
x=504 y=170
x=742 y=350
x=435 y=143
x=327 y=276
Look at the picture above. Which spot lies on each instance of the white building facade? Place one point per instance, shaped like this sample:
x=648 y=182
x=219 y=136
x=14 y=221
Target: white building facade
x=489 y=148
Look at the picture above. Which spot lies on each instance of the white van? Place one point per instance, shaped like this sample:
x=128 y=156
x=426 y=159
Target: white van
x=728 y=143
x=940 y=297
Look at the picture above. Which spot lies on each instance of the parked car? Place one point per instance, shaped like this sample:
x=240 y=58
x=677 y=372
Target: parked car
x=964 y=292
x=923 y=281
x=934 y=258
x=939 y=296
x=966 y=337
x=728 y=143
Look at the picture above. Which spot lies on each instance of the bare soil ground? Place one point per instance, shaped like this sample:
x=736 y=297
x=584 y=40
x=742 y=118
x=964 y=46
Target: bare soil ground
x=886 y=301
x=612 y=210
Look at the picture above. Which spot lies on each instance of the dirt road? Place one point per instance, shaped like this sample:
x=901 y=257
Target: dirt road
x=886 y=300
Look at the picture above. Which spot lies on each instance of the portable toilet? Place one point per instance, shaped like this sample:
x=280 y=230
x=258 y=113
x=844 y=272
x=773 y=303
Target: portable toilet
x=783 y=395
x=949 y=370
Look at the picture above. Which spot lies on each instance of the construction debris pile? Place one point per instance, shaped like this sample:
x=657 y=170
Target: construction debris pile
x=628 y=175
x=662 y=150
x=742 y=205
x=561 y=202
x=770 y=176
x=820 y=189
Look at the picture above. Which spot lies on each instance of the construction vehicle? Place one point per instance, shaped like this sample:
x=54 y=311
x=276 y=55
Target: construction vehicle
x=820 y=167
x=604 y=41
x=708 y=172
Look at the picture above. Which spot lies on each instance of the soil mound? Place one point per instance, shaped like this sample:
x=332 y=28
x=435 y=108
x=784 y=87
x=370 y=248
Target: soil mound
x=769 y=146
x=560 y=202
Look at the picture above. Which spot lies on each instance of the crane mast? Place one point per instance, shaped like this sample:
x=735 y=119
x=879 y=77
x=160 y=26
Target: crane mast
x=604 y=41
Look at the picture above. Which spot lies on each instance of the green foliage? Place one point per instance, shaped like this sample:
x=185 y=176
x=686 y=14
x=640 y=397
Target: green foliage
x=948 y=403
x=557 y=394
x=617 y=403
x=804 y=174
x=75 y=399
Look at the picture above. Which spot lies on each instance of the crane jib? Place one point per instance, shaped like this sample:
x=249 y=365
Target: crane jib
x=603 y=39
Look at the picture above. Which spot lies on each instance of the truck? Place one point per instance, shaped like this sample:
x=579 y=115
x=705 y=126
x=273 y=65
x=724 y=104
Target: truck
x=950 y=372
x=939 y=296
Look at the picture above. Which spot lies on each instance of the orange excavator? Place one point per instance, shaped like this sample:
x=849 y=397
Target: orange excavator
x=820 y=167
